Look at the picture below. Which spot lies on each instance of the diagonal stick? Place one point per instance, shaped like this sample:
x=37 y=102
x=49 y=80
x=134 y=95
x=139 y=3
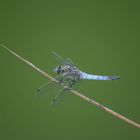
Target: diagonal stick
x=89 y=100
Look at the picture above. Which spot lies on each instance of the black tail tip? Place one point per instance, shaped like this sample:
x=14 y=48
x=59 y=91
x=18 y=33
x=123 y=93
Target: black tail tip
x=114 y=77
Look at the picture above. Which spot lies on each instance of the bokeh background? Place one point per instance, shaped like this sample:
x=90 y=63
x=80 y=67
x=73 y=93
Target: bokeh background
x=101 y=37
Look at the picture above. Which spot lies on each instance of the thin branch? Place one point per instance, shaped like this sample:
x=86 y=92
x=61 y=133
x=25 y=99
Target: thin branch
x=89 y=100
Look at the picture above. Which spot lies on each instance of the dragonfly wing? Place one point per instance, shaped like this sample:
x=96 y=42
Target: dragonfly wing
x=58 y=97
x=62 y=60
x=47 y=88
x=70 y=61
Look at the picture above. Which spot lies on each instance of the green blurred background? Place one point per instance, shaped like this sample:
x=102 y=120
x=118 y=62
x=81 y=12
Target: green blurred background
x=101 y=37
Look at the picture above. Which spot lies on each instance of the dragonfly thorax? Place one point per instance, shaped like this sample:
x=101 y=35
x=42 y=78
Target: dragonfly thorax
x=68 y=72
x=60 y=69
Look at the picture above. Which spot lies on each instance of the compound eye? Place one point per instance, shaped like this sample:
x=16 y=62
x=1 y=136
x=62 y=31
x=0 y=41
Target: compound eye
x=59 y=70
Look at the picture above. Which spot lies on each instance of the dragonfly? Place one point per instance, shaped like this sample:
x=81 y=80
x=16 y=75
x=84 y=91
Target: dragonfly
x=68 y=74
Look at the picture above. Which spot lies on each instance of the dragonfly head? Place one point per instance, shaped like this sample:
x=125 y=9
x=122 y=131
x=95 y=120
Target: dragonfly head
x=57 y=69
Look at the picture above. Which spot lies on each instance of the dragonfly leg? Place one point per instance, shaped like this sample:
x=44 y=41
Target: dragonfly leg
x=71 y=82
x=56 y=97
x=60 y=80
x=44 y=85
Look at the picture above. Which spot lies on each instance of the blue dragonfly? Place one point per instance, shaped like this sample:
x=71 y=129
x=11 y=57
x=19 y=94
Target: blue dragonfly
x=68 y=74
